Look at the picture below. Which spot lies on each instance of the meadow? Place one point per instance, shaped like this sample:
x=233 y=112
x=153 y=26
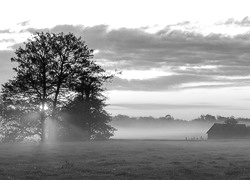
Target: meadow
x=127 y=159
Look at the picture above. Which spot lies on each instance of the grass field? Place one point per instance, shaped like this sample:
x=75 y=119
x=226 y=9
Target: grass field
x=127 y=159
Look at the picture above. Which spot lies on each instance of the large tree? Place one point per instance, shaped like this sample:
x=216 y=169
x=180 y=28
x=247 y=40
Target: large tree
x=50 y=69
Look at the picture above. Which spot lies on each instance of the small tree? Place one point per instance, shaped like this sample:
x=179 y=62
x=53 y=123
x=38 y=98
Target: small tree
x=87 y=109
x=90 y=117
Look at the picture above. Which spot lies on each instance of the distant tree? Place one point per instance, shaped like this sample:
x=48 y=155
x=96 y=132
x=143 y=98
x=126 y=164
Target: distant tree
x=121 y=117
x=244 y=120
x=123 y=120
x=46 y=66
x=231 y=121
x=206 y=118
x=169 y=117
x=221 y=118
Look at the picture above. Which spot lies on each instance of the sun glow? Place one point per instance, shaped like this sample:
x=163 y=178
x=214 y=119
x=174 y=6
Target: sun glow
x=44 y=108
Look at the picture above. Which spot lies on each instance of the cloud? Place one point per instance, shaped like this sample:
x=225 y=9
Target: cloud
x=243 y=22
x=188 y=54
x=4 y=31
x=7 y=40
x=176 y=82
x=155 y=106
x=17 y=45
x=155 y=84
x=24 y=23
x=136 y=49
x=6 y=65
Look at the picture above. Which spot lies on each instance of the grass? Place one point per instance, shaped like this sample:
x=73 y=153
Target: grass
x=127 y=159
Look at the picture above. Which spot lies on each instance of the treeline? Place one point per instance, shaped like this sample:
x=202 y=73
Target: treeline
x=126 y=120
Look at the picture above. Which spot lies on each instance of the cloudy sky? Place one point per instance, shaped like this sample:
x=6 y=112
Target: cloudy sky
x=183 y=58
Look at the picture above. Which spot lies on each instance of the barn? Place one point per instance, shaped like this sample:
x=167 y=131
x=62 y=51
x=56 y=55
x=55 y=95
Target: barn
x=228 y=131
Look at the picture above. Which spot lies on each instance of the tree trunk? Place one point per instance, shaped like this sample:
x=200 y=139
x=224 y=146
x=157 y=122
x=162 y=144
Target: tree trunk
x=88 y=114
x=53 y=129
x=43 y=126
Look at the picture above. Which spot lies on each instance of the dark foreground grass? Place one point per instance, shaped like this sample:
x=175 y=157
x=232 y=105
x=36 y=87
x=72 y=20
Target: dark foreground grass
x=127 y=159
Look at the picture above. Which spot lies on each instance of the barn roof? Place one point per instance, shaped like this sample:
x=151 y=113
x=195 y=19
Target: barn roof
x=233 y=128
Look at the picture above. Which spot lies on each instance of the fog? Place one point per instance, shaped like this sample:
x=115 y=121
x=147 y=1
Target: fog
x=161 y=133
x=161 y=130
x=166 y=127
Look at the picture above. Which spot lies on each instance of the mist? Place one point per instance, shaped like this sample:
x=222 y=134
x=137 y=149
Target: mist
x=166 y=127
x=161 y=130
x=164 y=132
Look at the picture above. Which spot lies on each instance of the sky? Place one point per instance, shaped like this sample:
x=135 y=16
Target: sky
x=183 y=58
